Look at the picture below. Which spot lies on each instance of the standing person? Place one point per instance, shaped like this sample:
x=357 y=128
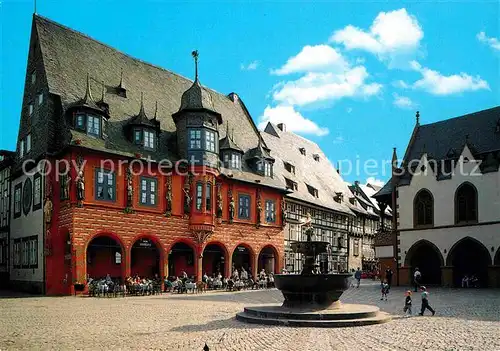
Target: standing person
x=407 y=308
x=388 y=276
x=385 y=290
x=357 y=275
x=425 y=302
x=416 y=278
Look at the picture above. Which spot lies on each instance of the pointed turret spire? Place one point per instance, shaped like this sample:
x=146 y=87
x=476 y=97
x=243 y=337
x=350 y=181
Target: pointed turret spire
x=121 y=85
x=88 y=93
x=102 y=91
x=195 y=55
x=417 y=117
x=156 y=110
x=394 y=159
x=141 y=110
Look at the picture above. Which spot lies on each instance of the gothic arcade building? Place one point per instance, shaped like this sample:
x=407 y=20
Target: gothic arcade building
x=446 y=196
x=85 y=102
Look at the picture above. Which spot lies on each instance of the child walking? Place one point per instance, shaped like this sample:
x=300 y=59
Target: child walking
x=385 y=290
x=425 y=302
x=407 y=308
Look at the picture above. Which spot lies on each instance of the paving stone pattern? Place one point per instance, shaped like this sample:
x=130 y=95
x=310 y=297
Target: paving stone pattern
x=465 y=320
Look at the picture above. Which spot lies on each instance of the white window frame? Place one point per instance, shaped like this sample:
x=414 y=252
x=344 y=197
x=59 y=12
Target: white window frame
x=31 y=108
x=40 y=99
x=28 y=143
x=21 y=148
x=149 y=139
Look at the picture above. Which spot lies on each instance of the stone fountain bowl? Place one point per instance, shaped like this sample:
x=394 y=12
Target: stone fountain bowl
x=312 y=292
x=309 y=248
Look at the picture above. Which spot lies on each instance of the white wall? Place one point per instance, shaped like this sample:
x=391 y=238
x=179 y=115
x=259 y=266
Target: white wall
x=443 y=191
x=25 y=226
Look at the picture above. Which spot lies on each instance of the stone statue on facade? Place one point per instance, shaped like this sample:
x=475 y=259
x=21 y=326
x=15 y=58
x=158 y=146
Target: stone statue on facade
x=168 y=196
x=187 y=201
x=259 y=208
x=231 y=208
x=283 y=212
x=80 y=186
x=66 y=181
x=47 y=210
x=219 y=202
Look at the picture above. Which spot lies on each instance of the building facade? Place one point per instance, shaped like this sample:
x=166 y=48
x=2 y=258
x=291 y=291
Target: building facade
x=6 y=159
x=447 y=194
x=125 y=168
x=315 y=188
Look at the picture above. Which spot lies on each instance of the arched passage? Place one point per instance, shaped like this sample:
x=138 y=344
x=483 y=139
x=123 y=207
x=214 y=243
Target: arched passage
x=214 y=259
x=105 y=256
x=469 y=257
x=181 y=259
x=242 y=257
x=146 y=258
x=425 y=256
x=268 y=260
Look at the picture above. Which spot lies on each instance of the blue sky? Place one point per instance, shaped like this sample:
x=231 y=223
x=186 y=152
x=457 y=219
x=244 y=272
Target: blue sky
x=348 y=75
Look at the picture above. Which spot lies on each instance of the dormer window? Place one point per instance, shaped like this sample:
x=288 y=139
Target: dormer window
x=302 y=151
x=312 y=190
x=290 y=184
x=232 y=160
x=316 y=157
x=145 y=138
x=264 y=168
x=289 y=167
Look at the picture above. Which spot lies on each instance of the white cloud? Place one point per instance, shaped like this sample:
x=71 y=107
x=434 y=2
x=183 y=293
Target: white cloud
x=250 y=67
x=313 y=58
x=374 y=181
x=293 y=119
x=494 y=43
x=438 y=84
x=393 y=36
x=400 y=84
x=403 y=102
x=315 y=87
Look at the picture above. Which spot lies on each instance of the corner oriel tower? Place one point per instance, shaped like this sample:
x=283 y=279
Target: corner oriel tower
x=197 y=125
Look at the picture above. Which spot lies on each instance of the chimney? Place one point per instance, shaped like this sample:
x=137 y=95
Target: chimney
x=282 y=127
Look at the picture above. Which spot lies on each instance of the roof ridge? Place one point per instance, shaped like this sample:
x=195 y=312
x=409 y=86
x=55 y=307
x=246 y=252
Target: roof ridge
x=37 y=16
x=462 y=116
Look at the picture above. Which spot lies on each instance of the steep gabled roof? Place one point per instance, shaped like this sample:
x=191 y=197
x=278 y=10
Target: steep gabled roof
x=437 y=139
x=320 y=175
x=69 y=55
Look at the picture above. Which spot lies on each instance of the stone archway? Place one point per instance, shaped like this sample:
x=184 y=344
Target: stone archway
x=146 y=257
x=268 y=260
x=214 y=259
x=104 y=255
x=243 y=257
x=469 y=256
x=181 y=258
x=425 y=256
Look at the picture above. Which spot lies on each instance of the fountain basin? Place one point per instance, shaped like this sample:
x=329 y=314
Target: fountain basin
x=315 y=292
x=309 y=248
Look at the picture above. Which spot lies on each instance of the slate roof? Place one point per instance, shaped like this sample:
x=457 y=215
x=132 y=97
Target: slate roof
x=369 y=190
x=444 y=141
x=68 y=57
x=320 y=175
x=437 y=139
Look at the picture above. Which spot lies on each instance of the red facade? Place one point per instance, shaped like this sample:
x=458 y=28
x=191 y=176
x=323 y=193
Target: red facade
x=95 y=238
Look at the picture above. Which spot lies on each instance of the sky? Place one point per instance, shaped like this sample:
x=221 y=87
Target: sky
x=348 y=75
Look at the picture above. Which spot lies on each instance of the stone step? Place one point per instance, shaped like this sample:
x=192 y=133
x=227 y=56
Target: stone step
x=345 y=312
x=380 y=318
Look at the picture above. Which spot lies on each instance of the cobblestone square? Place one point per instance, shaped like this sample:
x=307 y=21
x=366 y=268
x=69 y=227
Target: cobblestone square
x=465 y=320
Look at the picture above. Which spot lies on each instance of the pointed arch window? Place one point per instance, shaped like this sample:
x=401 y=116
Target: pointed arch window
x=423 y=207
x=466 y=204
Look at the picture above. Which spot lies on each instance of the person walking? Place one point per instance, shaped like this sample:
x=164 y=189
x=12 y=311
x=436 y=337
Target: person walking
x=407 y=308
x=384 y=291
x=416 y=278
x=425 y=302
x=357 y=275
x=388 y=276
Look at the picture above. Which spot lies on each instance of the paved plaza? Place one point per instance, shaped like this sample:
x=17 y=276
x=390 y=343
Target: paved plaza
x=465 y=320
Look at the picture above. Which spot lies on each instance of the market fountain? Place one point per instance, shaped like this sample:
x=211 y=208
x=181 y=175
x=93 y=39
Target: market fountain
x=310 y=299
